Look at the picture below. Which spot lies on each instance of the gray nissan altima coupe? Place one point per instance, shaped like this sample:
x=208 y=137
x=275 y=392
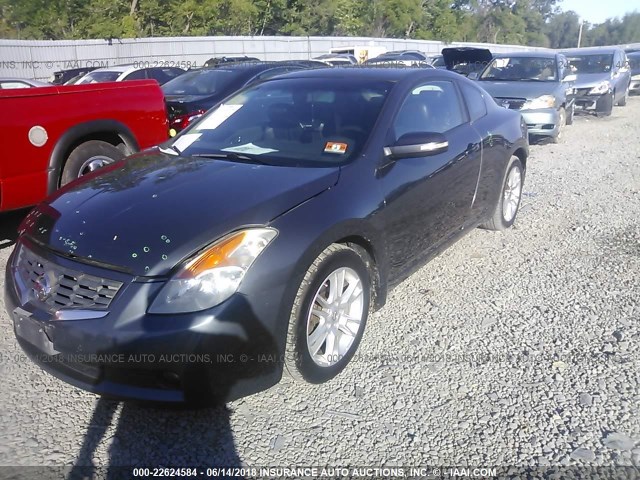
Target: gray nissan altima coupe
x=260 y=237
x=538 y=84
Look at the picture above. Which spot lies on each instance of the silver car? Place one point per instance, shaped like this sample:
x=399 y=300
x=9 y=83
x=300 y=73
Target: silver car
x=539 y=84
x=634 y=65
x=603 y=78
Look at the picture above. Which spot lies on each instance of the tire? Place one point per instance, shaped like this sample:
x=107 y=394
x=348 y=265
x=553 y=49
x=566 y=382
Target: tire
x=570 y=113
x=88 y=157
x=499 y=219
x=311 y=359
x=623 y=101
x=607 y=102
x=562 y=122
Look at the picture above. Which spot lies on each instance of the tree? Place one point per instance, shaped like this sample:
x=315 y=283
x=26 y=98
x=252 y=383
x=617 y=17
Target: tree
x=563 y=29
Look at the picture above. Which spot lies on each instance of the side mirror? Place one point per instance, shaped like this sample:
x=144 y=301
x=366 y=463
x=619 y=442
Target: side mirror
x=417 y=144
x=474 y=76
x=570 y=78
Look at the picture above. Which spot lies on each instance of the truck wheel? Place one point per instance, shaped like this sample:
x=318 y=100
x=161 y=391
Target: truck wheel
x=87 y=158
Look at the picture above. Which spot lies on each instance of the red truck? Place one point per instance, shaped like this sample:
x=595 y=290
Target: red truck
x=52 y=135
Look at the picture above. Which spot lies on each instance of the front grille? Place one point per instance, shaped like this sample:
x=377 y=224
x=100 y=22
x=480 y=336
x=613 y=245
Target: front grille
x=511 y=103
x=57 y=287
x=581 y=92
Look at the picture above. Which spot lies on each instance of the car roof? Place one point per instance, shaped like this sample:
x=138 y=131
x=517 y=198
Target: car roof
x=590 y=50
x=29 y=81
x=529 y=53
x=254 y=66
x=370 y=72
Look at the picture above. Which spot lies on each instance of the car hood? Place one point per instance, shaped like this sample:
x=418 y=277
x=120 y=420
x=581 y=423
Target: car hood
x=148 y=213
x=528 y=90
x=588 y=80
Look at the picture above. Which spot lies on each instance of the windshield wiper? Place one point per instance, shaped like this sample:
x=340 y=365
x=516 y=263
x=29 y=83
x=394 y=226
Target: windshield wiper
x=232 y=156
x=497 y=79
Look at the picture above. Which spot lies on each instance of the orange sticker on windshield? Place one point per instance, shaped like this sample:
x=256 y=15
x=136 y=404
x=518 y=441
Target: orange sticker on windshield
x=335 y=147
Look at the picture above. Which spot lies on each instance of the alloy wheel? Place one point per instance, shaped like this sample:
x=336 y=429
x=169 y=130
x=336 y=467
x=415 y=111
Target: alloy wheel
x=335 y=317
x=511 y=195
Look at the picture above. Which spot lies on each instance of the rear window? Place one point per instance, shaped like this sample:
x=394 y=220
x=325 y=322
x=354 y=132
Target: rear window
x=99 y=77
x=203 y=82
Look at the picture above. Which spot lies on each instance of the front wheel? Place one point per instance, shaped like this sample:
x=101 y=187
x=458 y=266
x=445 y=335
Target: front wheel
x=509 y=202
x=562 y=121
x=329 y=314
x=604 y=106
x=623 y=101
x=88 y=157
x=571 y=113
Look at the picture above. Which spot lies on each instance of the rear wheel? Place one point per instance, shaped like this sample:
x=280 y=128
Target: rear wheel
x=329 y=315
x=506 y=209
x=88 y=157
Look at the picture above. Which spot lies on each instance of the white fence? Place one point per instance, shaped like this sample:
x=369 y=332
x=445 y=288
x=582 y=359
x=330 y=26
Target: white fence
x=39 y=59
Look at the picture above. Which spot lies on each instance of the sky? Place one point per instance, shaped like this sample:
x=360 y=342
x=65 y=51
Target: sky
x=597 y=11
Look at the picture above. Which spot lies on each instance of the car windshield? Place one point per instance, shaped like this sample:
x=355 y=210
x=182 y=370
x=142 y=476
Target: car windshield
x=99 y=77
x=591 y=63
x=289 y=122
x=536 y=69
x=439 y=62
x=207 y=81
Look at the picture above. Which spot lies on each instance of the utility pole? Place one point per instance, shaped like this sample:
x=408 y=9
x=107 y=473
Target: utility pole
x=580 y=33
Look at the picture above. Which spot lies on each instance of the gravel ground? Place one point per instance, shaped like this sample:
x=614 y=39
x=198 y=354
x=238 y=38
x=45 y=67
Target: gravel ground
x=516 y=348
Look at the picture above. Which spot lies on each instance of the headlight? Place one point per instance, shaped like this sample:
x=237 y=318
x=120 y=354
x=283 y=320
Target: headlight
x=601 y=88
x=635 y=77
x=545 y=101
x=213 y=275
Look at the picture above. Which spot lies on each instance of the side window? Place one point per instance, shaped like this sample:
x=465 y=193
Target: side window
x=430 y=107
x=137 y=75
x=475 y=101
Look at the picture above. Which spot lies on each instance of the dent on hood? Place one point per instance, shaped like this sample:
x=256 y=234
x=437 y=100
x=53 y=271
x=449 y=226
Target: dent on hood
x=151 y=228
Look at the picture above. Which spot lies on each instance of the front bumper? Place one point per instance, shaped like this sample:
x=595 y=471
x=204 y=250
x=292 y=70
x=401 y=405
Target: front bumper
x=542 y=122
x=218 y=354
x=593 y=103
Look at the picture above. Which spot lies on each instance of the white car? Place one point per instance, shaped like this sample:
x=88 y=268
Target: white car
x=119 y=73
x=11 y=83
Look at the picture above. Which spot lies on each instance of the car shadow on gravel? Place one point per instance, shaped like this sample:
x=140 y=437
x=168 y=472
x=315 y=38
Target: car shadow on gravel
x=139 y=436
x=9 y=223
